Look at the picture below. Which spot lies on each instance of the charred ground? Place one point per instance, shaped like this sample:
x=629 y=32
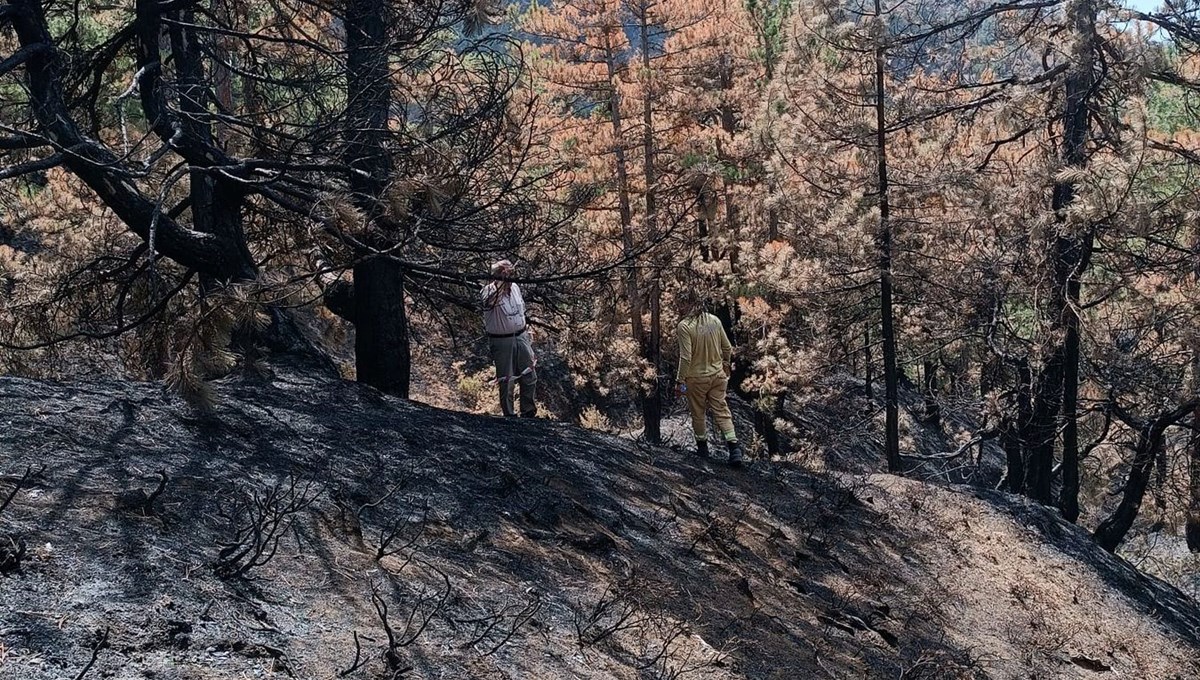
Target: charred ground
x=313 y=528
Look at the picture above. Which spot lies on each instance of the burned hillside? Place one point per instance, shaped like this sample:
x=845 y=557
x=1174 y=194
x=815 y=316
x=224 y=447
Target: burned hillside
x=315 y=529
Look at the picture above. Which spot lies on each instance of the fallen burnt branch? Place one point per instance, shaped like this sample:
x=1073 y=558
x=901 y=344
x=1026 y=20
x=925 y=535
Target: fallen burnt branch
x=358 y=662
x=138 y=500
x=100 y=643
x=18 y=485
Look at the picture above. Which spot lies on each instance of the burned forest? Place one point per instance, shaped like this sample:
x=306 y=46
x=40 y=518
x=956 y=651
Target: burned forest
x=599 y=339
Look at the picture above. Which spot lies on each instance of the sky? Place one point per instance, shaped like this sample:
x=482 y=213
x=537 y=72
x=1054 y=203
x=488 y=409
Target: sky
x=1142 y=5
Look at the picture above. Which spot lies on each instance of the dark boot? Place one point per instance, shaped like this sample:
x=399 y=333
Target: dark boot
x=702 y=449
x=735 y=453
x=531 y=413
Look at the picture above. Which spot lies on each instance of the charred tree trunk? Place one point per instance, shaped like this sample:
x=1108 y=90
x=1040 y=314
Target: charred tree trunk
x=765 y=423
x=929 y=390
x=216 y=201
x=1111 y=532
x=1192 y=524
x=1013 y=429
x=652 y=406
x=891 y=377
x=868 y=364
x=633 y=291
x=1042 y=429
x=381 y=346
x=1192 y=529
x=651 y=344
x=1057 y=388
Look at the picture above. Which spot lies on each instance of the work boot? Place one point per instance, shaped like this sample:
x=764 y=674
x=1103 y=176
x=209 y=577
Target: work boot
x=735 y=453
x=702 y=449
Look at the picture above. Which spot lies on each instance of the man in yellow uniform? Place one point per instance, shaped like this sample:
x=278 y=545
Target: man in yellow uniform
x=704 y=367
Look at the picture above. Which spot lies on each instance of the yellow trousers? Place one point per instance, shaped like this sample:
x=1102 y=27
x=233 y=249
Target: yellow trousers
x=708 y=393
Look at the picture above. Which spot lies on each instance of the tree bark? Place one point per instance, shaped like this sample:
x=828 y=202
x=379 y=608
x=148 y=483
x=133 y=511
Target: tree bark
x=891 y=378
x=381 y=343
x=1079 y=85
x=216 y=201
x=1057 y=385
x=1192 y=523
x=1192 y=528
x=1013 y=430
x=868 y=363
x=633 y=292
x=1111 y=532
x=650 y=346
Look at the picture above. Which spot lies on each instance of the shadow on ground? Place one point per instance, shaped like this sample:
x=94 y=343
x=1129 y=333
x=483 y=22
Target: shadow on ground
x=522 y=549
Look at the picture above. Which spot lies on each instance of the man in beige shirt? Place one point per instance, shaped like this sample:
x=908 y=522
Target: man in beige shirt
x=705 y=355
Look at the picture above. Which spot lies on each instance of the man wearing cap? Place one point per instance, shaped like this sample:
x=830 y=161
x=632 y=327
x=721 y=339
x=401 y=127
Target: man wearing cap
x=705 y=354
x=512 y=349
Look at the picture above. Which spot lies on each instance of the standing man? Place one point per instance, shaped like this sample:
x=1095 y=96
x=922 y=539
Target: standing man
x=704 y=367
x=512 y=350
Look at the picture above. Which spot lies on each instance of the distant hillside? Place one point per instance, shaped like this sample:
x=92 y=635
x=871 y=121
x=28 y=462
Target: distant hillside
x=517 y=549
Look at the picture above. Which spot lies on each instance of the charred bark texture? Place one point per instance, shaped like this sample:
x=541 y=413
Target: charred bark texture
x=381 y=343
x=651 y=345
x=891 y=375
x=1013 y=428
x=1192 y=530
x=101 y=169
x=1111 y=532
x=1057 y=384
x=381 y=340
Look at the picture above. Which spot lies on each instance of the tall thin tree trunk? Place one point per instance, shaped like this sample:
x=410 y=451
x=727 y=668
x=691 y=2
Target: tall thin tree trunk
x=1014 y=428
x=632 y=287
x=652 y=402
x=891 y=377
x=868 y=364
x=1075 y=252
x=1192 y=524
x=1192 y=529
x=381 y=345
x=652 y=413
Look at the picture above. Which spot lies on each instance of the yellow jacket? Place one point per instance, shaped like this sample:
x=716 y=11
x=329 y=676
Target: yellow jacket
x=704 y=348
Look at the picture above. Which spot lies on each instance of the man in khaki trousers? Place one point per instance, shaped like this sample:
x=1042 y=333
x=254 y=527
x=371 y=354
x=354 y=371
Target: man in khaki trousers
x=705 y=354
x=508 y=338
